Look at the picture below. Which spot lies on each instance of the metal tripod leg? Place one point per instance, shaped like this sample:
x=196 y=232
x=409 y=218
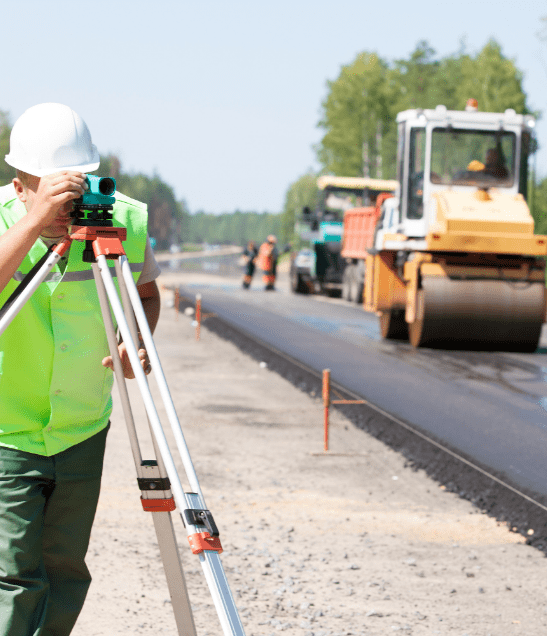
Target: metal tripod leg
x=163 y=522
x=209 y=559
x=130 y=316
x=202 y=532
x=30 y=283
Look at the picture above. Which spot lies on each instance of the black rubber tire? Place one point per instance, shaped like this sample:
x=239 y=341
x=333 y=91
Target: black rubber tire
x=356 y=289
x=346 y=283
x=298 y=286
x=393 y=325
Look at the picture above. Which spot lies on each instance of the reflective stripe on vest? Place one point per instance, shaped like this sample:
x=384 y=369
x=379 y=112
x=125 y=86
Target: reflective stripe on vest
x=71 y=277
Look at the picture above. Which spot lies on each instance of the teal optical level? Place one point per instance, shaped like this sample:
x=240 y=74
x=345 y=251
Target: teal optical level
x=100 y=193
x=93 y=206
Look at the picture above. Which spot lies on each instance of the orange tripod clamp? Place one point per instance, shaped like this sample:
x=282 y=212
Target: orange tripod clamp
x=201 y=541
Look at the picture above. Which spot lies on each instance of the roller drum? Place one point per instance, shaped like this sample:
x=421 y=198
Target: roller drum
x=479 y=314
x=393 y=324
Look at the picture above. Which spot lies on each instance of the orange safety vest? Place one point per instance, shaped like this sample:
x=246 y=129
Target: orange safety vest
x=264 y=258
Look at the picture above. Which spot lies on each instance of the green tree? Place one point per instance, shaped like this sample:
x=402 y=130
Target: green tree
x=355 y=114
x=416 y=80
x=6 y=172
x=232 y=228
x=539 y=207
x=167 y=217
x=493 y=80
x=303 y=192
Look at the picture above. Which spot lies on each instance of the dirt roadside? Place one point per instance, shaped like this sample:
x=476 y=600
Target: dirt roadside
x=349 y=543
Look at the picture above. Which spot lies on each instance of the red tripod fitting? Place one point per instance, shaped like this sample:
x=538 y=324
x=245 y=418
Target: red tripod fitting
x=204 y=541
x=107 y=241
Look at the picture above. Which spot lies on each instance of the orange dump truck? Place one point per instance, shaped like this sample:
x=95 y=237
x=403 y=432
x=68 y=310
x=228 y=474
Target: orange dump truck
x=358 y=237
x=452 y=258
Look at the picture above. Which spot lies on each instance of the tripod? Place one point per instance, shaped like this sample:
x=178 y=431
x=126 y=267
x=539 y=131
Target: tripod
x=158 y=479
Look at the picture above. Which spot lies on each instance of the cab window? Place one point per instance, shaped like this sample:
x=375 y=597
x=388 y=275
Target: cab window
x=481 y=158
x=416 y=174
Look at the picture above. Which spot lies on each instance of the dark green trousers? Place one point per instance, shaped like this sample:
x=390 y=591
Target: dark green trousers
x=47 y=506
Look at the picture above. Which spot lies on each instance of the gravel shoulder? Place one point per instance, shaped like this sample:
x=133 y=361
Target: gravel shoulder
x=348 y=543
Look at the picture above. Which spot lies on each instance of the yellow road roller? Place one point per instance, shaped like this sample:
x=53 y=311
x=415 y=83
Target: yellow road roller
x=452 y=259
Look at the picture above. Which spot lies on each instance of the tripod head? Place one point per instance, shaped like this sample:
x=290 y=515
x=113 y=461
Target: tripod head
x=93 y=208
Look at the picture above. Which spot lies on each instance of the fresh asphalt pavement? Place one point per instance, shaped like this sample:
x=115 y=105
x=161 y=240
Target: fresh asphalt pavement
x=489 y=406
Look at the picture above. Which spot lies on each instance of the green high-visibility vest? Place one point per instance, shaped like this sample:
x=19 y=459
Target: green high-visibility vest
x=54 y=391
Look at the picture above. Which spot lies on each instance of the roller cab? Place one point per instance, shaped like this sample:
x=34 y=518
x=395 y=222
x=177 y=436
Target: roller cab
x=452 y=259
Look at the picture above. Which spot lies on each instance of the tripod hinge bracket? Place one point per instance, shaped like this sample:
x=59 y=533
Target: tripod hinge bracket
x=158 y=505
x=108 y=246
x=195 y=517
x=154 y=483
x=204 y=541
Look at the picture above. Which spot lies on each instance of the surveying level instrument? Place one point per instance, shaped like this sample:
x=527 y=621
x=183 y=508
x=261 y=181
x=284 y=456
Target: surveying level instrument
x=158 y=479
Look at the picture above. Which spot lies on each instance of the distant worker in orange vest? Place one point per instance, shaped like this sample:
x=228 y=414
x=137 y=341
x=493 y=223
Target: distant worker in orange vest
x=267 y=261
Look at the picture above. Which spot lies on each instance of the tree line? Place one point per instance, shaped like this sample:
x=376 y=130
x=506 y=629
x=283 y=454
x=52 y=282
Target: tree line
x=233 y=228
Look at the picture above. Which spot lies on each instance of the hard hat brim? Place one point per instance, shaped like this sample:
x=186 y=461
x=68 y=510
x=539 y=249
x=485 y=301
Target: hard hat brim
x=44 y=172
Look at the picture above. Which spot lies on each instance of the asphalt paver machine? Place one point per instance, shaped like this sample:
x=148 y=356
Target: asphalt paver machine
x=320 y=268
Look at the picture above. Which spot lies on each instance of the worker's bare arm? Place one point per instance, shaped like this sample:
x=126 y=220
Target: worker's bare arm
x=14 y=246
x=45 y=199
x=151 y=303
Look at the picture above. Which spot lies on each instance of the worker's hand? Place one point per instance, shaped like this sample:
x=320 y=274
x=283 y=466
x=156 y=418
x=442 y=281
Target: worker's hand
x=50 y=198
x=126 y=364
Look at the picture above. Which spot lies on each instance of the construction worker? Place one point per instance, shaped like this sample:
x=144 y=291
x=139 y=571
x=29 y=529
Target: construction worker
x=55 y=374
x=494 y=165
x=267 y=261
x=250 y=254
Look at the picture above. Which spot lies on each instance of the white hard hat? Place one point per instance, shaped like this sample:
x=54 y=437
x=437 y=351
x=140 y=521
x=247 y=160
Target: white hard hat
x=48 y=138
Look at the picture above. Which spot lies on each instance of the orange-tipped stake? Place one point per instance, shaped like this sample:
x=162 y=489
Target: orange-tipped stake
x=326 y=404
x=177 y=303
x=198 y=315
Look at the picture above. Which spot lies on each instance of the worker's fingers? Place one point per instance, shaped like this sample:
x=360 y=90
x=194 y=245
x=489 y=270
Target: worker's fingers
x=64 y=197
x=74 y=190
x=145 y=362
x=126 y=364
x=67 y=176
x=61 y=182
x=54 y=194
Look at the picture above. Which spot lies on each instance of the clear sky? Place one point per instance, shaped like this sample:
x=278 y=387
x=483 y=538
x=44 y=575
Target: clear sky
x=222 y=99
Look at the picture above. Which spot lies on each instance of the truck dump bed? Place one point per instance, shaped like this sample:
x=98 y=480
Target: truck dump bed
x=359 y=226
x=358 y=234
